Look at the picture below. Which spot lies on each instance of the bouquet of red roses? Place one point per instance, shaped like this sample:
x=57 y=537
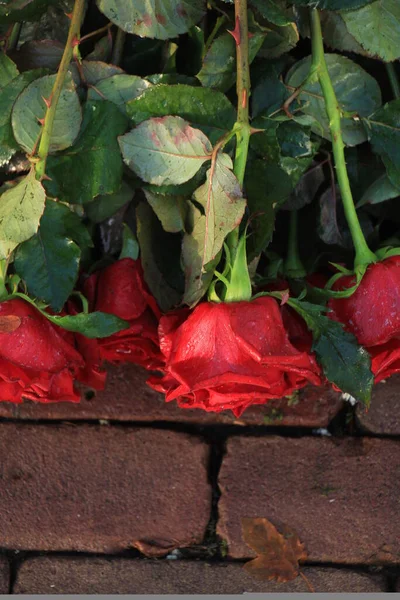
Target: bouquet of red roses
x=193 y=192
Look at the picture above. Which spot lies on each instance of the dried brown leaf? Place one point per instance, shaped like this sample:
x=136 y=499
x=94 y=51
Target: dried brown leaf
x=278 y=553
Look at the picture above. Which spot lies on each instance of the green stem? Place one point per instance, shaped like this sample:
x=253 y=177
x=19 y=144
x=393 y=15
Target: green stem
x=394 y=81
x=72 y=40
x=118 y=47
x=3 y=273
x=12 y=41
x=241 y=35
x=363 y=256
x=293 y=265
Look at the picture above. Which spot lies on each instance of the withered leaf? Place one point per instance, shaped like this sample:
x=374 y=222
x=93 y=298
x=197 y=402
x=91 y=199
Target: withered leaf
x=278 y=553
x=9 y=323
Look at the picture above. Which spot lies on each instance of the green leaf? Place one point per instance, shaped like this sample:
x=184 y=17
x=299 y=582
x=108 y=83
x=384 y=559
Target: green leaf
x=333 y=4
x=269 y=93
x=306 y=188
x=219 y=64
x=357 y=92
x=30 y=107
x=8 y=70
x=8 y=95
x=171 y=210
x=184 y=189
x=21 y=207
x=384 y=134
x=204 y=108
x=130 y=246
x=49 y=261
x=172 y=79
x=273 y=10
x=267 y=187
x=344 y=361
x=153 y=18
x=381 y=190
x=91 y=325
x=13 y=11
x=165 y=150
x=286 y=143
x=336 y=34
x=119 y=89
x=40 y=54
x=223 y=204
x=103 y=207
x=94 y=71
x=222 y=207
x=93 y=165
x=279 y=40
x=160 y=258
x=376 y=27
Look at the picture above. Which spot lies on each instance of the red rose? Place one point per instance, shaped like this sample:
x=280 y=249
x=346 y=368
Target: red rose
x=299 y=334
x=229 y=356
x=38 y=360
x=372 y=314
x=120 y=290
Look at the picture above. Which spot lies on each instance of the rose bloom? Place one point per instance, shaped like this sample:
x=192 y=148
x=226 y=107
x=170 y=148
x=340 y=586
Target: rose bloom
x=119 y=289
x=230 y=356
x=372 y=314
x=299 y=334
x=38 y=360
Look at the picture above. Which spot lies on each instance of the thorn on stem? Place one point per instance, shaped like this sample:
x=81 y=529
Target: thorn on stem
x=41 y=121
x=75 y=42
x=236 y=32
x=48 y=100
x=68 y=15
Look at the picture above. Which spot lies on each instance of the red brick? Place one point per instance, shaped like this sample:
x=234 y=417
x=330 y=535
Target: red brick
x=101 y=489
x=383 y=415
x=341 y=496
x=103 y=576
x=4 y=575
x=128 y=398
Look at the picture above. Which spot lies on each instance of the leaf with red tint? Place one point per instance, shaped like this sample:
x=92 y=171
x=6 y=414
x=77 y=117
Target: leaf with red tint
x=9 y=323
x=278 y=553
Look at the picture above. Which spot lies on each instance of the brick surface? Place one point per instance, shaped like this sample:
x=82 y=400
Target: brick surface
x=341 y=496
x=101 y=489
x=383 y=416
x=4 y=575
x=128 y=398
x=103 y=576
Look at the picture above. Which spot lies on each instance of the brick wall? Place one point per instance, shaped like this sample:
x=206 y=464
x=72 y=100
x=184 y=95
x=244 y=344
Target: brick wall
x=127 y=494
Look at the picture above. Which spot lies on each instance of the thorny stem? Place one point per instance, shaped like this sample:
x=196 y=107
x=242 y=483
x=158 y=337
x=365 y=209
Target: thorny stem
x=394 y=81
x=241 y=36
x=118 y=47
x=72 y=41
x=363 y=256
x=293 y=265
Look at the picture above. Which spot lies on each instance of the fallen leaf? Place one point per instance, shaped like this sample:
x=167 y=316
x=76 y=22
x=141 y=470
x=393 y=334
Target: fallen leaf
x=9 y=323
x=278 y=553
